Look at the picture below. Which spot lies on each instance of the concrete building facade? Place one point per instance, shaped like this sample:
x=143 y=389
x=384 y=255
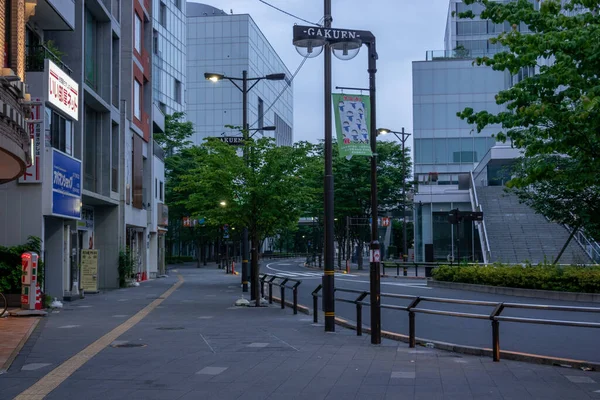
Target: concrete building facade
x=88 y=190
x=228 y=44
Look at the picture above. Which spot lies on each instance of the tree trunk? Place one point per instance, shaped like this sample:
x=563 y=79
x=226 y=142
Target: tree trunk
x=359 y=252
x=254 y=268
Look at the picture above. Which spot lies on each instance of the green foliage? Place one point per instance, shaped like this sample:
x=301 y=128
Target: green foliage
x=176 y=135
x=554 y=115
x=178 y=259
x=10 y=265
x=541 y=276
x=126 y=266
x=266 y=193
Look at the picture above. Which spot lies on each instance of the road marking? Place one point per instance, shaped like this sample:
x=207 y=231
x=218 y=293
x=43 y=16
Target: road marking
x=298 y=274
x=58 y=375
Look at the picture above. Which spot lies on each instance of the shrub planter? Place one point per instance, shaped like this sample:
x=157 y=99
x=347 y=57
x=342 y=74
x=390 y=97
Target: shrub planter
x=535 y=293
x=13 y=299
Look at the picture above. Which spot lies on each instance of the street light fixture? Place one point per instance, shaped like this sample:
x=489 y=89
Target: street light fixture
x=402 y=136
x=223 y=203
x=214 y=77
x=345 y=45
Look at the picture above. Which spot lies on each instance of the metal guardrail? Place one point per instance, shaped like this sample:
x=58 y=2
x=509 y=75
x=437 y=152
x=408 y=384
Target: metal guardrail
x=483 y=236
x=406 y=265
x=495 y=316
x=282 y=282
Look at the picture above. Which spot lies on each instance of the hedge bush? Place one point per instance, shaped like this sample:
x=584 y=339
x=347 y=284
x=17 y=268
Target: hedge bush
x=178 y=259
x=542 y=276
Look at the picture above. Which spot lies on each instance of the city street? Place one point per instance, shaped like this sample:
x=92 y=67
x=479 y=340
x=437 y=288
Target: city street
x=182 y=338
x=547 y=340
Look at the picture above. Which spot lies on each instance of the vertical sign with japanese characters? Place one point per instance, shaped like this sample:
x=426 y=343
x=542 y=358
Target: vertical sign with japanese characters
x=89 y=270
x=35 y=126
x=63 y=92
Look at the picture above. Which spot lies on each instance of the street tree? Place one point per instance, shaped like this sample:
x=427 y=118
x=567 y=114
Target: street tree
x=265 y=193
x=554 y=114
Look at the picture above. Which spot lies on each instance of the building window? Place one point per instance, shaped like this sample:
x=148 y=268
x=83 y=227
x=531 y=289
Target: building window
x=137 y=33
x=7 y=37
x=178 y=4
x=156 y=188
x=178 y=92
x=90 y=49
x=160 y=191
x=155 y=42
x=162 y=15
x=61 y=133
x=137 y=100
x=115 y=158
x=90 y=149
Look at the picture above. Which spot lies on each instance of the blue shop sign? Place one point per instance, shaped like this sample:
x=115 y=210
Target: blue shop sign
x=66 y=185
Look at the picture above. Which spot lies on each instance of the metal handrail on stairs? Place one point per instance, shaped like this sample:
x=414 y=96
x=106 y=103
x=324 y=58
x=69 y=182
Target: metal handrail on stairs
x=591 y=247
x=483 y=236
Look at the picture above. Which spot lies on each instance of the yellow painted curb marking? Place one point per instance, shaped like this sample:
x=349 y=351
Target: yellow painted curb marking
x=58 y=375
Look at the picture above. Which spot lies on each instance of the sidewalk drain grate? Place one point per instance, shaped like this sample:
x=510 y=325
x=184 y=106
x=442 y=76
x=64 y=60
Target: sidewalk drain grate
x=128 y=345
x=170 y=328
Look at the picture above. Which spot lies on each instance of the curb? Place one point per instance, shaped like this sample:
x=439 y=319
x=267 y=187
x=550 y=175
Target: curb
x=534 y=293
x=462 y=349
x=481 y=352
x=17 y=349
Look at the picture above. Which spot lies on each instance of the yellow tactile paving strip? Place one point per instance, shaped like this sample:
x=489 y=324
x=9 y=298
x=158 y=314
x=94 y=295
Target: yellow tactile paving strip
x=54 y=378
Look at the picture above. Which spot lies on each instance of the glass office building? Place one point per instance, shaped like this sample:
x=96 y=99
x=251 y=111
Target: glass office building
x=446 y=147
x=168 y=37
x=228 y=44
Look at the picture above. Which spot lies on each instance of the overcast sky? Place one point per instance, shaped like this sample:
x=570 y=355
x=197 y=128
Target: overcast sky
x=405 y=30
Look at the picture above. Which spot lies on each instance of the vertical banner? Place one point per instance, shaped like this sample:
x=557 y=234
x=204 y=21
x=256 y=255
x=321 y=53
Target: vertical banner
x=35 y=125
x=352 y=116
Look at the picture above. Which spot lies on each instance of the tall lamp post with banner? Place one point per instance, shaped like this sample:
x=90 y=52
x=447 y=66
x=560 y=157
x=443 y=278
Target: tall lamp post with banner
x=345 y=45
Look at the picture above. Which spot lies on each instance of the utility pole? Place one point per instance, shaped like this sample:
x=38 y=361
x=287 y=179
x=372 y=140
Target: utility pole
x=245 y=134
x=328 y=273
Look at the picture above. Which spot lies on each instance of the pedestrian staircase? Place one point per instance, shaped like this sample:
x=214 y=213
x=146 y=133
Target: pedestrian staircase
x=516 y=234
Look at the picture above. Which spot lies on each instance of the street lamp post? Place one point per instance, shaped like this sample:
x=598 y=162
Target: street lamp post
x=402 y=136
x=345 y=44
x=245 y=132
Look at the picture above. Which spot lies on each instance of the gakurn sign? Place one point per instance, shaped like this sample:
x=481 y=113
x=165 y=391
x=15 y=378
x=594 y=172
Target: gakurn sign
x=331 y=34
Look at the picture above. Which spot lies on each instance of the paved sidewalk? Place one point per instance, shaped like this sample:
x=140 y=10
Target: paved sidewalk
x=14 y=331
x=197 y=345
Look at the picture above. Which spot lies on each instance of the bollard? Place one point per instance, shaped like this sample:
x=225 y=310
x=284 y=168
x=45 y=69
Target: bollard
x=358 y=319
x=315 y=309
x=383 y=268
x=397 y=269
x=295 y=300
x=412 y=341
x=496 y=340
x=282 y=288
x=270 y=293
x=405 y=271
x=262 y=288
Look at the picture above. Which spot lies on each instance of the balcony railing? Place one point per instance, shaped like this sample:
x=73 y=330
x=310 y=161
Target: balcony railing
x=36 y=55
x=458 y=54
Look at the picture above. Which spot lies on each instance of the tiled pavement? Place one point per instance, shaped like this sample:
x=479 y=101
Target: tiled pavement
x=196 y=345
x=13 y=330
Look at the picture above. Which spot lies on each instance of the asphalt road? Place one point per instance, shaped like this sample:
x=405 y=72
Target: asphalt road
x=557 y=341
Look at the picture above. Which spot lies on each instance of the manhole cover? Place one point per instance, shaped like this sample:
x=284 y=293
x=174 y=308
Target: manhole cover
x=128 y=345
x=170 y=328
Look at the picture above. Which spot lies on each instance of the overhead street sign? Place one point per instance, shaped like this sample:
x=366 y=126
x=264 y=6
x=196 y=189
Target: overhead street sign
x=232 y=140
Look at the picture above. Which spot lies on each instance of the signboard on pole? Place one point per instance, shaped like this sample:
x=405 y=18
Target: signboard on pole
x=35 y=125
x=66 y=185
x=63 y=92
x=89 y=270
x=352 y=117
x=232 y=140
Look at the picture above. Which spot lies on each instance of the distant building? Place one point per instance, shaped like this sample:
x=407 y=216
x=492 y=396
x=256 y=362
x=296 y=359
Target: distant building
x=228 y=44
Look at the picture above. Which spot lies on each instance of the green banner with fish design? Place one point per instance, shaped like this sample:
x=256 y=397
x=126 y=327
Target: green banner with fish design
x=352 y=116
